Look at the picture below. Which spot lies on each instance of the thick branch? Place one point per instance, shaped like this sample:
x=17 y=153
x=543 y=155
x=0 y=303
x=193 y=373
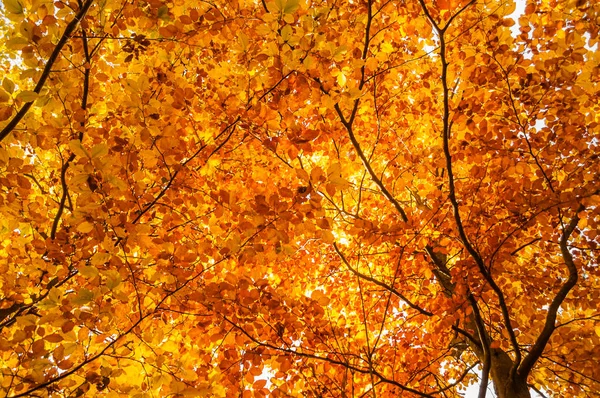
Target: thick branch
x=550 y=324
x=441 y=271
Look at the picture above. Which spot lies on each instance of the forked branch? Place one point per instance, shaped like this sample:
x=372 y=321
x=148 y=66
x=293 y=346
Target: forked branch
x=550 y=324
x=379 y=283
x=447 y=125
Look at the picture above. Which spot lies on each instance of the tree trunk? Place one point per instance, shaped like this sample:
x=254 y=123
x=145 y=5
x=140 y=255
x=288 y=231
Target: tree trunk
x=500 y=374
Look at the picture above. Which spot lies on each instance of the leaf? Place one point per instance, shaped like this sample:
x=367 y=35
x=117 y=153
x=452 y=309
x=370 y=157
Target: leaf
x=113 y=279
x=27 y=96
x=320 y=297
x=372 y=64
x=99 y=151
x=291 y=6
x=85 y=227
x=286 y=6
x=279 y=4
x=13 y=6
x=443 y=4
x=4 y=96
x=83 y=297
x=52 y=300
x=509 y=7
x=286 y=33
x=88 y=271
x=65 y=364
x=17 y=43
x=8 y=85
x=78 y=149
x=244 y=41
x=163 y=12
x=100 y=258
x=54 y=338
x=5 y=112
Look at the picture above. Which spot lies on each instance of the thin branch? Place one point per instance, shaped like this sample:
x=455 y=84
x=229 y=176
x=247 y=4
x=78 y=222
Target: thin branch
x=447 y=125
x=381 y=284
x=29 y=392
x=65 y=166
x=537 y=390
x=169 y=183
x=367 y=165
x=349 y=122
x=63 y=198
x=330 y=360
x=518 y=249
x=46 y=72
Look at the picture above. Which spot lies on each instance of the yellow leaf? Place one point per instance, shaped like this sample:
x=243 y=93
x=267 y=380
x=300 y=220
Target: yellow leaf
x=100 y=258
x=88 y=271
x=26 y=320
x=113 y=279
x=243 y=39
x=386 y=48
x=509 y=7
x=17 y=43
x=85 y=227
x=27 y=96
x=78 y=149
x=290 y=6
x=286 y=6
x=99 y=150
x=279 y=4
x=8 y=85
x=4 y=96
x=83 y=297
x=13 y=6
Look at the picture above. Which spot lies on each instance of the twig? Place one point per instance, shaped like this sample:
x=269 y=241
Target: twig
x=46 y=73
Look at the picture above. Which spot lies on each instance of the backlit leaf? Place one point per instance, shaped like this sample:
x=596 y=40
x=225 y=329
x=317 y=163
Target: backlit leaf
x=13 y=6
x=27 y=96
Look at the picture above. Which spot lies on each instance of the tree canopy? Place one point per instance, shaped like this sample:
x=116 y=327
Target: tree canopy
x=299 y=198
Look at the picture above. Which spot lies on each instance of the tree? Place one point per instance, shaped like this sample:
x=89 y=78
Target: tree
x=299 y=198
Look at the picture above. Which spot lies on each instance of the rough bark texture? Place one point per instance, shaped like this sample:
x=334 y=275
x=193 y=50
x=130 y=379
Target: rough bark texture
x=500 y=372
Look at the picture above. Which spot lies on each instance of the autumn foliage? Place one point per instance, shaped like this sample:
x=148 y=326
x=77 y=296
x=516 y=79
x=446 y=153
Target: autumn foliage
x=299 y=198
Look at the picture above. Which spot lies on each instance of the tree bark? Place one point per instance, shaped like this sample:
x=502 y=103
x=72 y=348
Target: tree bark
x=500 y=373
